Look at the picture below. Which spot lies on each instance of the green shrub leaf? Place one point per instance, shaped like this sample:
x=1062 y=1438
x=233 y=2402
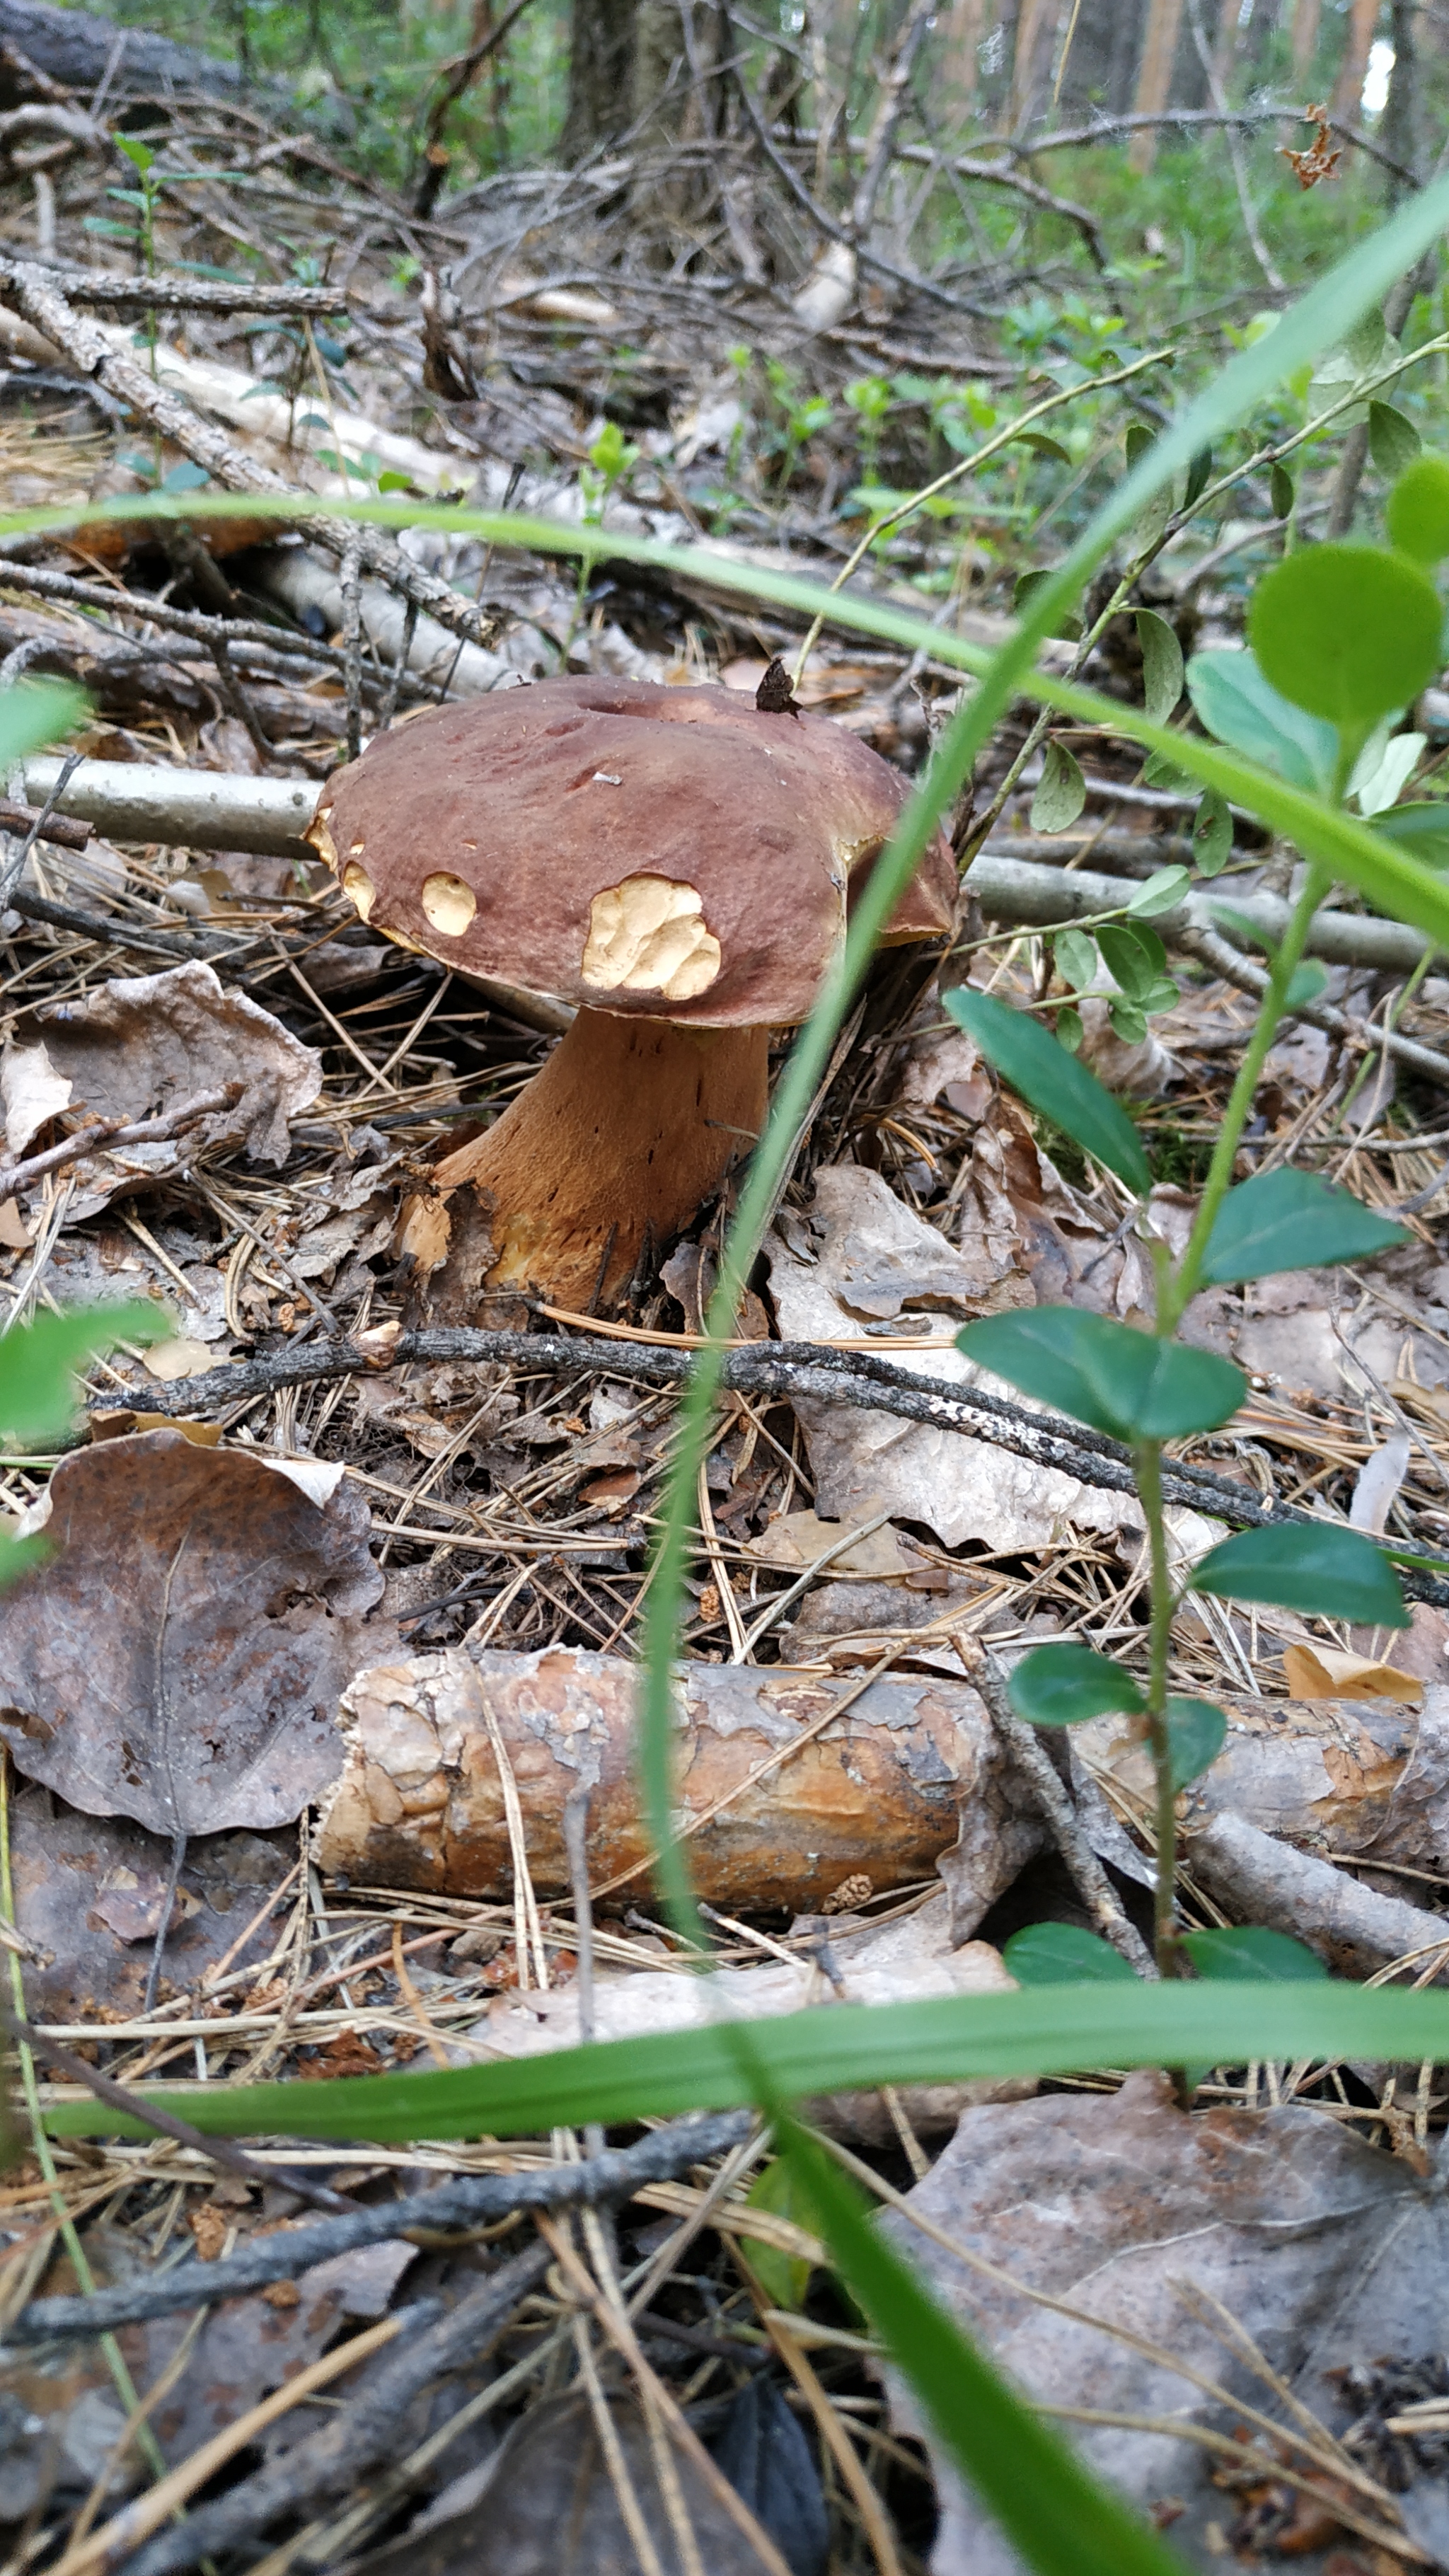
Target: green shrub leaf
x=1061 y=1685
x=1319 y=1567
x=1238 y=706
x=1161 y=664
x=1062 y=793
x=1421 y=828
x=1196 y=1733
x=1393 y=440
x=1160 y=891
x=1212 y=834
x=1064 y=1954
x=1076 y=957
x=38 y=1363
x=1134 y=956
x=1418 y=510
x=1120 y=1381
x=1278 y=1219
x=785 y=2278
x=1252 y=1952
x=1028 y=1057
x=1281 y=490
x=1066 y=624
x=1348 y=633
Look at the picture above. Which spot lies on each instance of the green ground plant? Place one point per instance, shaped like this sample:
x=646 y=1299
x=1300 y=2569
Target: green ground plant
x=1340 y=640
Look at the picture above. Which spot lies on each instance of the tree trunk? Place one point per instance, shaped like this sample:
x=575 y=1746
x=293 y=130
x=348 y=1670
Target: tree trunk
x=1154 y=79
x=1307 y=18
x=601 y=75
x=966 y=32
x=1348 y=89
x=1031 y=67
x=1399 y=133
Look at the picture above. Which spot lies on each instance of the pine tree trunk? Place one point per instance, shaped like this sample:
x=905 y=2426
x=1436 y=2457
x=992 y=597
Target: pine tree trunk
x=1348 y=89
x=1154 y=79
x=601 y=68
x=1307 y=18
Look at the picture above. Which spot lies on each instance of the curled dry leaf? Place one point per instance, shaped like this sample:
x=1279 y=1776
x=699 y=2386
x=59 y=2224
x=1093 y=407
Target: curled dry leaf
x=1328 y=2252
x=905 y=1962
x=1320 y=1672
x=140 y=1044
x=420 y=1803
x=180 y=1657
x=867 y=1258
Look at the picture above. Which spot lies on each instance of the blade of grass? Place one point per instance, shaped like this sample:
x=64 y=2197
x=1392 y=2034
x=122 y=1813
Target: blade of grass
x=1042 y=2030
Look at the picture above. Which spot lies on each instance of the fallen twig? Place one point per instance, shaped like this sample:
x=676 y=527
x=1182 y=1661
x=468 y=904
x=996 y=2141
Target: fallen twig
x=1263 y=1880
x=116 y=1131
x=459 y=2207
x=785 y=1369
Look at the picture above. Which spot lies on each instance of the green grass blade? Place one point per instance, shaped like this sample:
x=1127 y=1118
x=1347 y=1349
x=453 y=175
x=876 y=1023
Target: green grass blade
x=1061 y=2520
x=1057 y=2030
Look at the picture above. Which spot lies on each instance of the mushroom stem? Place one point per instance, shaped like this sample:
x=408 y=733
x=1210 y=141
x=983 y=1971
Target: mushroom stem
x=628 y=1128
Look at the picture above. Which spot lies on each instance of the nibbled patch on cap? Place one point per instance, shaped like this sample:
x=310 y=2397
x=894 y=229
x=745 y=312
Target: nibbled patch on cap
x=648 y=935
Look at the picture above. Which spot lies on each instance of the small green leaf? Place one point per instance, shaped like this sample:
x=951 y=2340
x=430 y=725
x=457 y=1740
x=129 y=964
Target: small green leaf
x=1418 y=510
x=1134 y=956
x=1161 y=664
x=1120 y=1381
x=1067 y=625
x=1062 y=1685
x=785 y=2278
x=38 y=1363
x=1138 y=441
x=1422 y=829
x=1393 y=440
x=1159 y=771
x=1305 y=984
x=1076 y=957
x=1032 y=1061
x=1383 y=770
x=1160 y=891
x=1349 y=633
x=1069 y=1029
x=1212 y=833
x=1276 y=1219
x=1252 y=1952
x=1196 y=1733
x=1198 y=475
x=1238 y=706
x=1062 y=793
x=1159 y=996
x=1063 y=1954
x=1128 y=1019
x=1282 y=490
x=34 y=713
x=1043 y=444
x=1319 y=1567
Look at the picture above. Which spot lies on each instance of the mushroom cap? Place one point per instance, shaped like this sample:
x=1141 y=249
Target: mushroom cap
x=670 y=853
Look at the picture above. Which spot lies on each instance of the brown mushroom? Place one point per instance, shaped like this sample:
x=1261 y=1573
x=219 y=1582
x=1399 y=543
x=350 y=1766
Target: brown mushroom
x=675 y=863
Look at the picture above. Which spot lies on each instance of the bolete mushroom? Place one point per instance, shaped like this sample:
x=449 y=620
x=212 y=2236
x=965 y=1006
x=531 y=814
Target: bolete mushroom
x=674 y=863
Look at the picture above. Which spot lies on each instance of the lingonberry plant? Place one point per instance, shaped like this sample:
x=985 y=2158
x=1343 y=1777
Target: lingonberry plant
x=1341 y=641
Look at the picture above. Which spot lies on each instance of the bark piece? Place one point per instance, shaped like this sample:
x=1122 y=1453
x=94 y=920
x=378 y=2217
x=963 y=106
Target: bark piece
x=1358 y=1780
x=1326 y=2250
x=78 y=49
x=877 y=1791
x=180 y=1658
x=854 y=1962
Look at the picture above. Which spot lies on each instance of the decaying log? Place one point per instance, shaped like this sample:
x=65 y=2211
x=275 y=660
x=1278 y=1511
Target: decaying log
x=795 y=1807
x=200 y=809
x=79 y=51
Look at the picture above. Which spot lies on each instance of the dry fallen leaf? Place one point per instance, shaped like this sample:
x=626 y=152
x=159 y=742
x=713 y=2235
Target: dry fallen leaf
x=139 y=1045
x=1327 y=2251
x=866 y=1255
x=1320 y=1672
x=180 y=1657
x=549 y=2508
